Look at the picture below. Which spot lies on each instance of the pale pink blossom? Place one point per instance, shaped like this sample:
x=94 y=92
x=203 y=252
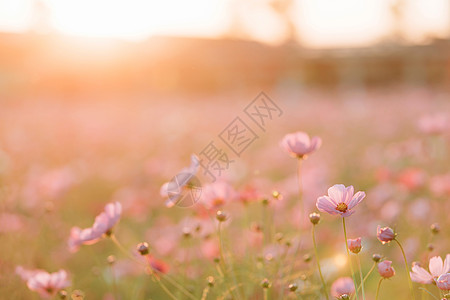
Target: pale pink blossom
x=437 y=268
x=44 y=283
x=26 y=274
x=354 y=245
x=103 y=225
x=385 y=269
x=216 y=194
x=443 y=282
x=340 y=200
x=385 y=234
x=173 y=189
x=299 y=144
x=342 y=286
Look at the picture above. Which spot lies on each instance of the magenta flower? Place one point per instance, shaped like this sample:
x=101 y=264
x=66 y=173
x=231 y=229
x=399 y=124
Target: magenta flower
x=385 y=269
x=443 y=282
x=437 y=268
x=354 y=245
x=342 y=286
x=385 y=234
x=299 y=144
x=340 y=200
x=103 y=225
x=44 y=283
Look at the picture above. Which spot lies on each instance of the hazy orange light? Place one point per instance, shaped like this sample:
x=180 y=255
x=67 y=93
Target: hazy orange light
x=135 y=19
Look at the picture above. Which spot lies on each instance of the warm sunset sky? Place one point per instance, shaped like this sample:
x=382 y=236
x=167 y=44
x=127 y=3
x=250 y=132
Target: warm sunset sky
x=321 y=23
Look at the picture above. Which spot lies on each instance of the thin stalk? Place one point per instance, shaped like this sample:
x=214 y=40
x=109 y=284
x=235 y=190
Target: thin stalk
x=114 y=283
x=266 y=294
x=425 y=290
x=361 y=277
x=378 y=288
x=318 y=262
x=222 y=259
x=205 y=293
x=300 y=199
x=367 y=276
x=349 y=257
x=166 y=289
x=127 y=253
x=406 y=268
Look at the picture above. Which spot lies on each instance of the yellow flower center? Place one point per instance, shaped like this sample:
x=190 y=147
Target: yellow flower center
x=342 y=207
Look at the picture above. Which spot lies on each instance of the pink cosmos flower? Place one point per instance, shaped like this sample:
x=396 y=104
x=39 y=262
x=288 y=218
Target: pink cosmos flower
x=385 y=269
x=385 y=234
x=173 y=190
x=342 y=286
x=354 y=245
x=44 y=283
x=103 y=225
x=299 y=144
x=437 y=268
x=340 y=200
x=216 y=194
x=443 y=282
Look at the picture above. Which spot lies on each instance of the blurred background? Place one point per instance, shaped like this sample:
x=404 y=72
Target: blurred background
x=133 y=48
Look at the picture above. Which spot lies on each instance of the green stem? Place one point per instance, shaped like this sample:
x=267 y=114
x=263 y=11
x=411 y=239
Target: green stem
x=349 y=257
x=165 y=289
x=266 y=294
x=318 y=262
x=114 y=283
x=378 y=288
x=424 y=289
x=367 y=276
x=361 y=277
x=407 y=269
x=205 y=293
x=222 y=259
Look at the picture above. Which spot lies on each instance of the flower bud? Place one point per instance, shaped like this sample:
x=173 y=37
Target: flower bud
x=186 y=232
x=111 y=259
x=385 y=269
x=279 y=237
x=435 y=228
x=314 y=218
x=306 y=258
x=385 y=234
x=265 y=283
x=77 y=295
x=62 y=294
x=376 y=257
x=211 y=281
x=142 y=248
x=430 y=247
x=221 y=216
x=293 y=287
x=354 y=245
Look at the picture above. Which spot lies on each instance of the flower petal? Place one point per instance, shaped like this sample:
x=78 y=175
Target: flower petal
x=446 y=268
x=357 y=198
x=325 y=204
x=336 y=193
x=436 y=266
x=420 y=275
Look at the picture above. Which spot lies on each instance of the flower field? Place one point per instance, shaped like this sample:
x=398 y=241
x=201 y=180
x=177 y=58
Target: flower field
x=333 y=196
